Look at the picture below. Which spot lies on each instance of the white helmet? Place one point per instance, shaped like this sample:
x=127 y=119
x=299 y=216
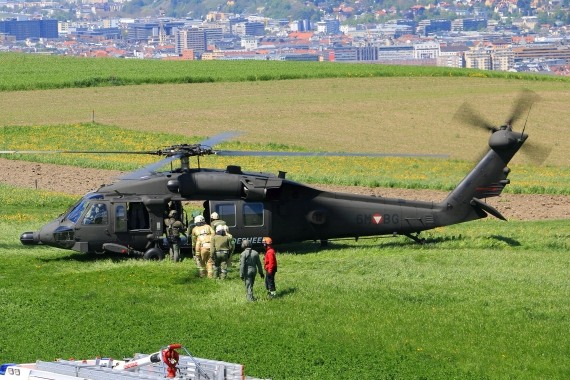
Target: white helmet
x=199 y=219
x=214 y=216
x=220 y=228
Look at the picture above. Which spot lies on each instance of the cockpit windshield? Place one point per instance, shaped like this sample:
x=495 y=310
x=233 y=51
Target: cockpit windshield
x=77 y=210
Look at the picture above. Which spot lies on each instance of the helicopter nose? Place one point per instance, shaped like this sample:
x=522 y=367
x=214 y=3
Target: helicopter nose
x=30 y=238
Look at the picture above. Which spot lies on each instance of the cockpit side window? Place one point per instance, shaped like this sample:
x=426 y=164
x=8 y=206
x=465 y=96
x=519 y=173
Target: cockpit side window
x=96 y=214
x=120 y=218
x=77 y=210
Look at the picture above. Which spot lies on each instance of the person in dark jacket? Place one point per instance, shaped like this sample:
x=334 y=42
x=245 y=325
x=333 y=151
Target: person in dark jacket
x=249 y=266
x=270 y=265
x=174 y=230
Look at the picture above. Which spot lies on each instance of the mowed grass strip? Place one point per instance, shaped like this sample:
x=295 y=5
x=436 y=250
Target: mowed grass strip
x=65 y=72
x=486 y=299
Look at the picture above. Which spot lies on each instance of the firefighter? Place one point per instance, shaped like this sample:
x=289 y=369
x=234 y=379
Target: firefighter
x=199 y=225
x=215 y=220
x=221 y=245
x=174 y=229
x=203 y=249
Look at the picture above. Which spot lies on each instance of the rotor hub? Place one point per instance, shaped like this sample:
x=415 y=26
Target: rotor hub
x=186 y=150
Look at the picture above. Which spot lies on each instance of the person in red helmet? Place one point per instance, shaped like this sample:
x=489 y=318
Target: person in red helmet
x=270 y=265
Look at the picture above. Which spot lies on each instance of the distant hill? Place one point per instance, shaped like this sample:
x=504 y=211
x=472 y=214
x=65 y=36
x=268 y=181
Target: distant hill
x=363 y=10
x=278 y=9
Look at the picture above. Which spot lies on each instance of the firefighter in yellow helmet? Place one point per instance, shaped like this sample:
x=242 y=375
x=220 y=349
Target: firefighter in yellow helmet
x=215 y=220
x=199 y=226
x=203 y=249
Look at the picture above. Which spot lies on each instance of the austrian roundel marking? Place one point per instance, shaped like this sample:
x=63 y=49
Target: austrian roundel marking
x=377 y=218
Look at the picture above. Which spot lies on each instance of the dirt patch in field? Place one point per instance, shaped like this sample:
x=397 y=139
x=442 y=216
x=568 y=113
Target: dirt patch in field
x=78 y=181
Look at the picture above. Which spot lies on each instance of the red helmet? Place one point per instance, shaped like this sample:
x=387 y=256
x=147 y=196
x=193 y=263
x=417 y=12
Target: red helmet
x=267 y=240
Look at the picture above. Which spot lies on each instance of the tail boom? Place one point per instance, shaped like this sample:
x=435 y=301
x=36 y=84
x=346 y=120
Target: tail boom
x=487 y=179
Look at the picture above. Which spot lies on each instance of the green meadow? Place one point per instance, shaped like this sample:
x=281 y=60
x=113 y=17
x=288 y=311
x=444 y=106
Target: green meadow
x=481 y=300
x=484 y=300
x=68 y=72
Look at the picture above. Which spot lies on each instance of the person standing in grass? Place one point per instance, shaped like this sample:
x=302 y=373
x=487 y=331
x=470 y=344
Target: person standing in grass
x=270 y=265
x=204 y=259
x=249 y=266
x=174 y=230
x=232 y=245
x=201 y=250
x=220 y=249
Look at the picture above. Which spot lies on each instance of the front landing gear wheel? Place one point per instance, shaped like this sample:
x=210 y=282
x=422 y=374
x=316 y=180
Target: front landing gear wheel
x=154 y=254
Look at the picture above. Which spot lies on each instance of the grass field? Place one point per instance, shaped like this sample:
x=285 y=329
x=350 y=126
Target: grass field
x=488 y=300
x=483 y=300
x=67 y=72
x=381 y=115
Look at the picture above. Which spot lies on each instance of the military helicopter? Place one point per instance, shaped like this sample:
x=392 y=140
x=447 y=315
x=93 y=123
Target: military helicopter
x=127 y=216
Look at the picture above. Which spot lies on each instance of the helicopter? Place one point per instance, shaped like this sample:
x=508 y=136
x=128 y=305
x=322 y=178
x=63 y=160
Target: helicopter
x=128 y=216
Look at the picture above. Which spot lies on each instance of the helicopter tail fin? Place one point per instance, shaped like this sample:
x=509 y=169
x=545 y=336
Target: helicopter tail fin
x=487 y=179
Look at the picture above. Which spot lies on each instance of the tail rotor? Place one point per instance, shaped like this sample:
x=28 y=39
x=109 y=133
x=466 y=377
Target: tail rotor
x=538 y=153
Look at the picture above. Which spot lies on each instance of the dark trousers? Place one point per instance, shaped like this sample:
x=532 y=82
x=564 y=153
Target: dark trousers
x=270 y=281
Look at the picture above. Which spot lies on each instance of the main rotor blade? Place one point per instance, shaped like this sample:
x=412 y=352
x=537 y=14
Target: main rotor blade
x=220 y=138
x=75 y=152
x=466 y=114
x=522 y=105
x=321 y=154
x=150 y=169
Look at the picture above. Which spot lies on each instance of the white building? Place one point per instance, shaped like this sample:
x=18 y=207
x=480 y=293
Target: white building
x=426 y=50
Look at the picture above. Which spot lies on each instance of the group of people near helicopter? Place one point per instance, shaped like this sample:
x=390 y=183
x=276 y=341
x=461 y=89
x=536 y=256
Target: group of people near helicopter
x=213 y=247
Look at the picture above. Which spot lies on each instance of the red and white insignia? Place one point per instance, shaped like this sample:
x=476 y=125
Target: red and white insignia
x=377 y=218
